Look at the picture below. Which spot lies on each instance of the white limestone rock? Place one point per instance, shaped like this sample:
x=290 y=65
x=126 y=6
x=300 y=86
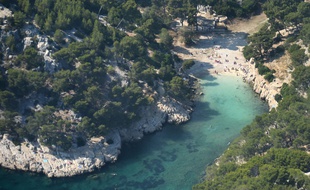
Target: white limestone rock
x=37 y=158
x=265 y=89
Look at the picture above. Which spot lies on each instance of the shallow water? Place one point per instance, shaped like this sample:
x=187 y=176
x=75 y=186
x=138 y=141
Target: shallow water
x=174 y=158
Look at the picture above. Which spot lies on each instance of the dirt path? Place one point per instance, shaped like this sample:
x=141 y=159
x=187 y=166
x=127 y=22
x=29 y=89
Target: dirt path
x=249 y=26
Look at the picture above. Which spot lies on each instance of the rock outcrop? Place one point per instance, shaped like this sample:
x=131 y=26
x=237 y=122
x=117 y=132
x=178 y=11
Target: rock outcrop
x=266 y=90
x=166 y=109
x=30 y=156
x=50 y=64
x=33 y=156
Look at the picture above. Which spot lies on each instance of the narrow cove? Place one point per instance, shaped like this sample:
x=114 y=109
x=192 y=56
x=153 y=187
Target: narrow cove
x=174 y=158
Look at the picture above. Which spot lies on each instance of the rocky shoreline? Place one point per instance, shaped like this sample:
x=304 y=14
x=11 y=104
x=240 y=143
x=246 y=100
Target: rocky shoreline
x=245 y=69
x=266 y=90
x=34 y=157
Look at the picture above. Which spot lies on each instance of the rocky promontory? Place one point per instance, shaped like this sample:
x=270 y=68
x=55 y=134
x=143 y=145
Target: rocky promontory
x=54 y=162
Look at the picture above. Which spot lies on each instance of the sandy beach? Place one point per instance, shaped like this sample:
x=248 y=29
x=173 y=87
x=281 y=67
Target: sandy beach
x=221 y=53
x=217 y=54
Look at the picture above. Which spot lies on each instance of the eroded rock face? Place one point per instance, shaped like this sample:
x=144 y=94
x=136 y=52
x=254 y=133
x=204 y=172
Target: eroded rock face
x=56 y=163
x=166 y=109
x=176 y=111
x=50 y=64
x=265 y=89
x=32 y=156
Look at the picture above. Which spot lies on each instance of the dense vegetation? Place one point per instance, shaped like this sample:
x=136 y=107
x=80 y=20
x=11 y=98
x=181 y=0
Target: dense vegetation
x=110 y=56
x=273 y=152
x=104 y=74
x=110 y=65
x=267 y=43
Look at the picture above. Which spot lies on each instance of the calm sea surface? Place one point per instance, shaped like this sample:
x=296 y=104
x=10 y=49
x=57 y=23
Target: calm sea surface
x=172 y=159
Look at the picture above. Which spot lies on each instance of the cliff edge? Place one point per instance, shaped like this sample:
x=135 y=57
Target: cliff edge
x=34 y=157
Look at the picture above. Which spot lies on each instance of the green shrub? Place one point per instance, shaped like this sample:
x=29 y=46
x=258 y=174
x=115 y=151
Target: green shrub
x=278 y=97
x=262 y=69
x=298 y=57
x=280 y=49
x=248 y=52
x=187 y=64
x=58 y=36
x=269 y=77
x=110 y=70
x=80 y=141
x=293 y=48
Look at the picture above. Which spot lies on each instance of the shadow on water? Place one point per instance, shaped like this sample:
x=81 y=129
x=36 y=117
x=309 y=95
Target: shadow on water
x=210 y=78
x=155 y=141
x=210 y=84
x=205 y=113
x=206 y=76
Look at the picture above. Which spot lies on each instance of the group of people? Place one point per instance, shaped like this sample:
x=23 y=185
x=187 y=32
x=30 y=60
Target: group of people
x=226 y=69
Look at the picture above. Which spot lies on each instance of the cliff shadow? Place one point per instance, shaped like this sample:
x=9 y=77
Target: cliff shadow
x=205 y=113
x=156 y=141
x=274 y=55
x=227 y=40
x=210 y=84
x=201 y=69
x=179 y=49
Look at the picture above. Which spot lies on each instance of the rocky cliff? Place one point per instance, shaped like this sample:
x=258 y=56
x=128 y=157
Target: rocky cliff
x=266 y=90
x=33 y=156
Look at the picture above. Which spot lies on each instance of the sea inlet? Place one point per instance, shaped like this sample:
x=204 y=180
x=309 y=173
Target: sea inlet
x=172 y=159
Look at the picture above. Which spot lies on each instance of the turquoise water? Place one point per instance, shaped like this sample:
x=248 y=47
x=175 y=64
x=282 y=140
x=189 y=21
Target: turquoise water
x=174 y=158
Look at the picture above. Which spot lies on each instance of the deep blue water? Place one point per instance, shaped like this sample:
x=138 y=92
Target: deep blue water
x=174 y=158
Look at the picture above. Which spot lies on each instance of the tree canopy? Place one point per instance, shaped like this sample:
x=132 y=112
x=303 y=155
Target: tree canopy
x=273 y=147
x=108 y=58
